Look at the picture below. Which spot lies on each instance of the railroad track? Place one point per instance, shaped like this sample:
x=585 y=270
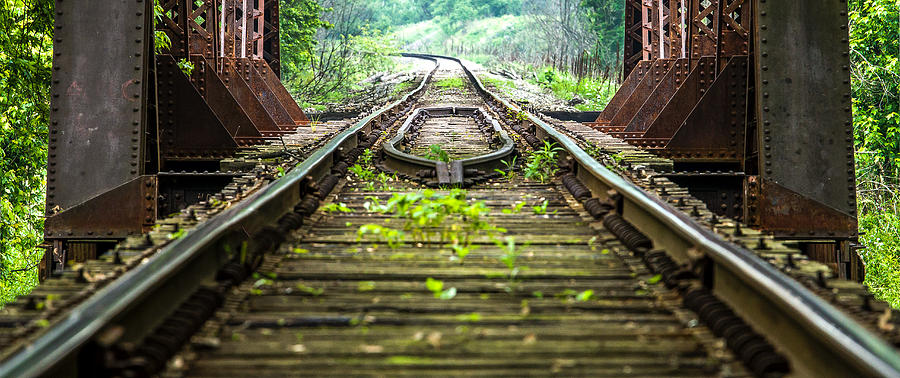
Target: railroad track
x=592 y=272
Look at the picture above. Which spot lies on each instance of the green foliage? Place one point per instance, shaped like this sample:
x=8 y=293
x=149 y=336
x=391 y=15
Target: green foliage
x=874 y=52
x=595 y=92
x=517 y=208
x=542 y=164
x=367 y=156
x=497 y=83
x=452 y=82
x=509 y=258
x=509 y=173
x=428 y=214
x=300 y=20
x=882 y=241
x=541 y=209
x=363 y=169
x=161 y=40
x=25 y=59
x=393 y=238
x=186 y=66
x=584 y=296
x=324 y=61
x=314 y=291
x=605 y=18
x=402 y=88
x=435 y=152
x=437 y=288
x=332 y=207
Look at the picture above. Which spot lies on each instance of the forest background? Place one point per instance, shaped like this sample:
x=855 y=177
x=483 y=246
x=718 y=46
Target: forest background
x=572 y=48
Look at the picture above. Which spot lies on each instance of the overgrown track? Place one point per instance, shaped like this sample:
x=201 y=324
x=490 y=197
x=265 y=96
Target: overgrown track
x=601 y=279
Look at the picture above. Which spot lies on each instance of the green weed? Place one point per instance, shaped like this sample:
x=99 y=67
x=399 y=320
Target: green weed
x=542 y=164
x=332 y=207
x=453 y=82
x=429 y=215
x=509 y=173
x=517 y=208
x=393 y=238
x=541 y=209
x=436 y=287
x=510 y=256
x=435 y=152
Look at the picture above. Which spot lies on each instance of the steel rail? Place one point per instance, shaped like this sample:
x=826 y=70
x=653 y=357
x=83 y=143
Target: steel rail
x=143 y=283
x=488 y=160
x=858 y=347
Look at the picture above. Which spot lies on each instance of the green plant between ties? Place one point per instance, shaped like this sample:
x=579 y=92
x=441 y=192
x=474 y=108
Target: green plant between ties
x=509 y=173
x=542 y=164
x=435 y=152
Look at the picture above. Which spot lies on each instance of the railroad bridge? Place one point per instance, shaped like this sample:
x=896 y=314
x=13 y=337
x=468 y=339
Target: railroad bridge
x=200 y=224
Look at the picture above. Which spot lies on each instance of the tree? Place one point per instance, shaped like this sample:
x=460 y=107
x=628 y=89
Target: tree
x=607 y=21
x=25 y=53
x=875 y=50
x=300 y=21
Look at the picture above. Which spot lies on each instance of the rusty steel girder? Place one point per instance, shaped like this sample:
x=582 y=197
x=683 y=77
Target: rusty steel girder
x=751 y=101
x=242 y=98
x=99 y=121
x=271 y=37
x=123 y=114
x=804 y=116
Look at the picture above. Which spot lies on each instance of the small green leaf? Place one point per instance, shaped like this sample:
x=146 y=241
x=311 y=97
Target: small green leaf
x=584 y=296
x=434 y=286
x=654 y=280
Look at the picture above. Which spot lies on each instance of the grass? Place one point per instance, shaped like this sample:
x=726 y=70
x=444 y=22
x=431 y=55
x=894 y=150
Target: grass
x=498 y=83
x=453 y=82
x=316 y=107
x=882 y=241
x=878 y=200
x=402 y=88
x=596 y=92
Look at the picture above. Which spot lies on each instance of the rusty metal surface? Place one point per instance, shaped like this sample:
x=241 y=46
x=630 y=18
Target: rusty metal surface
x=125 y=210
x=803 y=97
x=188 y=125
x=716 y=127
x=642 y=92
x=661 y=96
x=240 y=90
x=263 y=93
x=278 y=89
x=682 y=103
x=703 y=21
x=201 y=26
x=271 y=37
x=787 y=213
x=98 y=111
x=633 y=41
x=621 y=96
